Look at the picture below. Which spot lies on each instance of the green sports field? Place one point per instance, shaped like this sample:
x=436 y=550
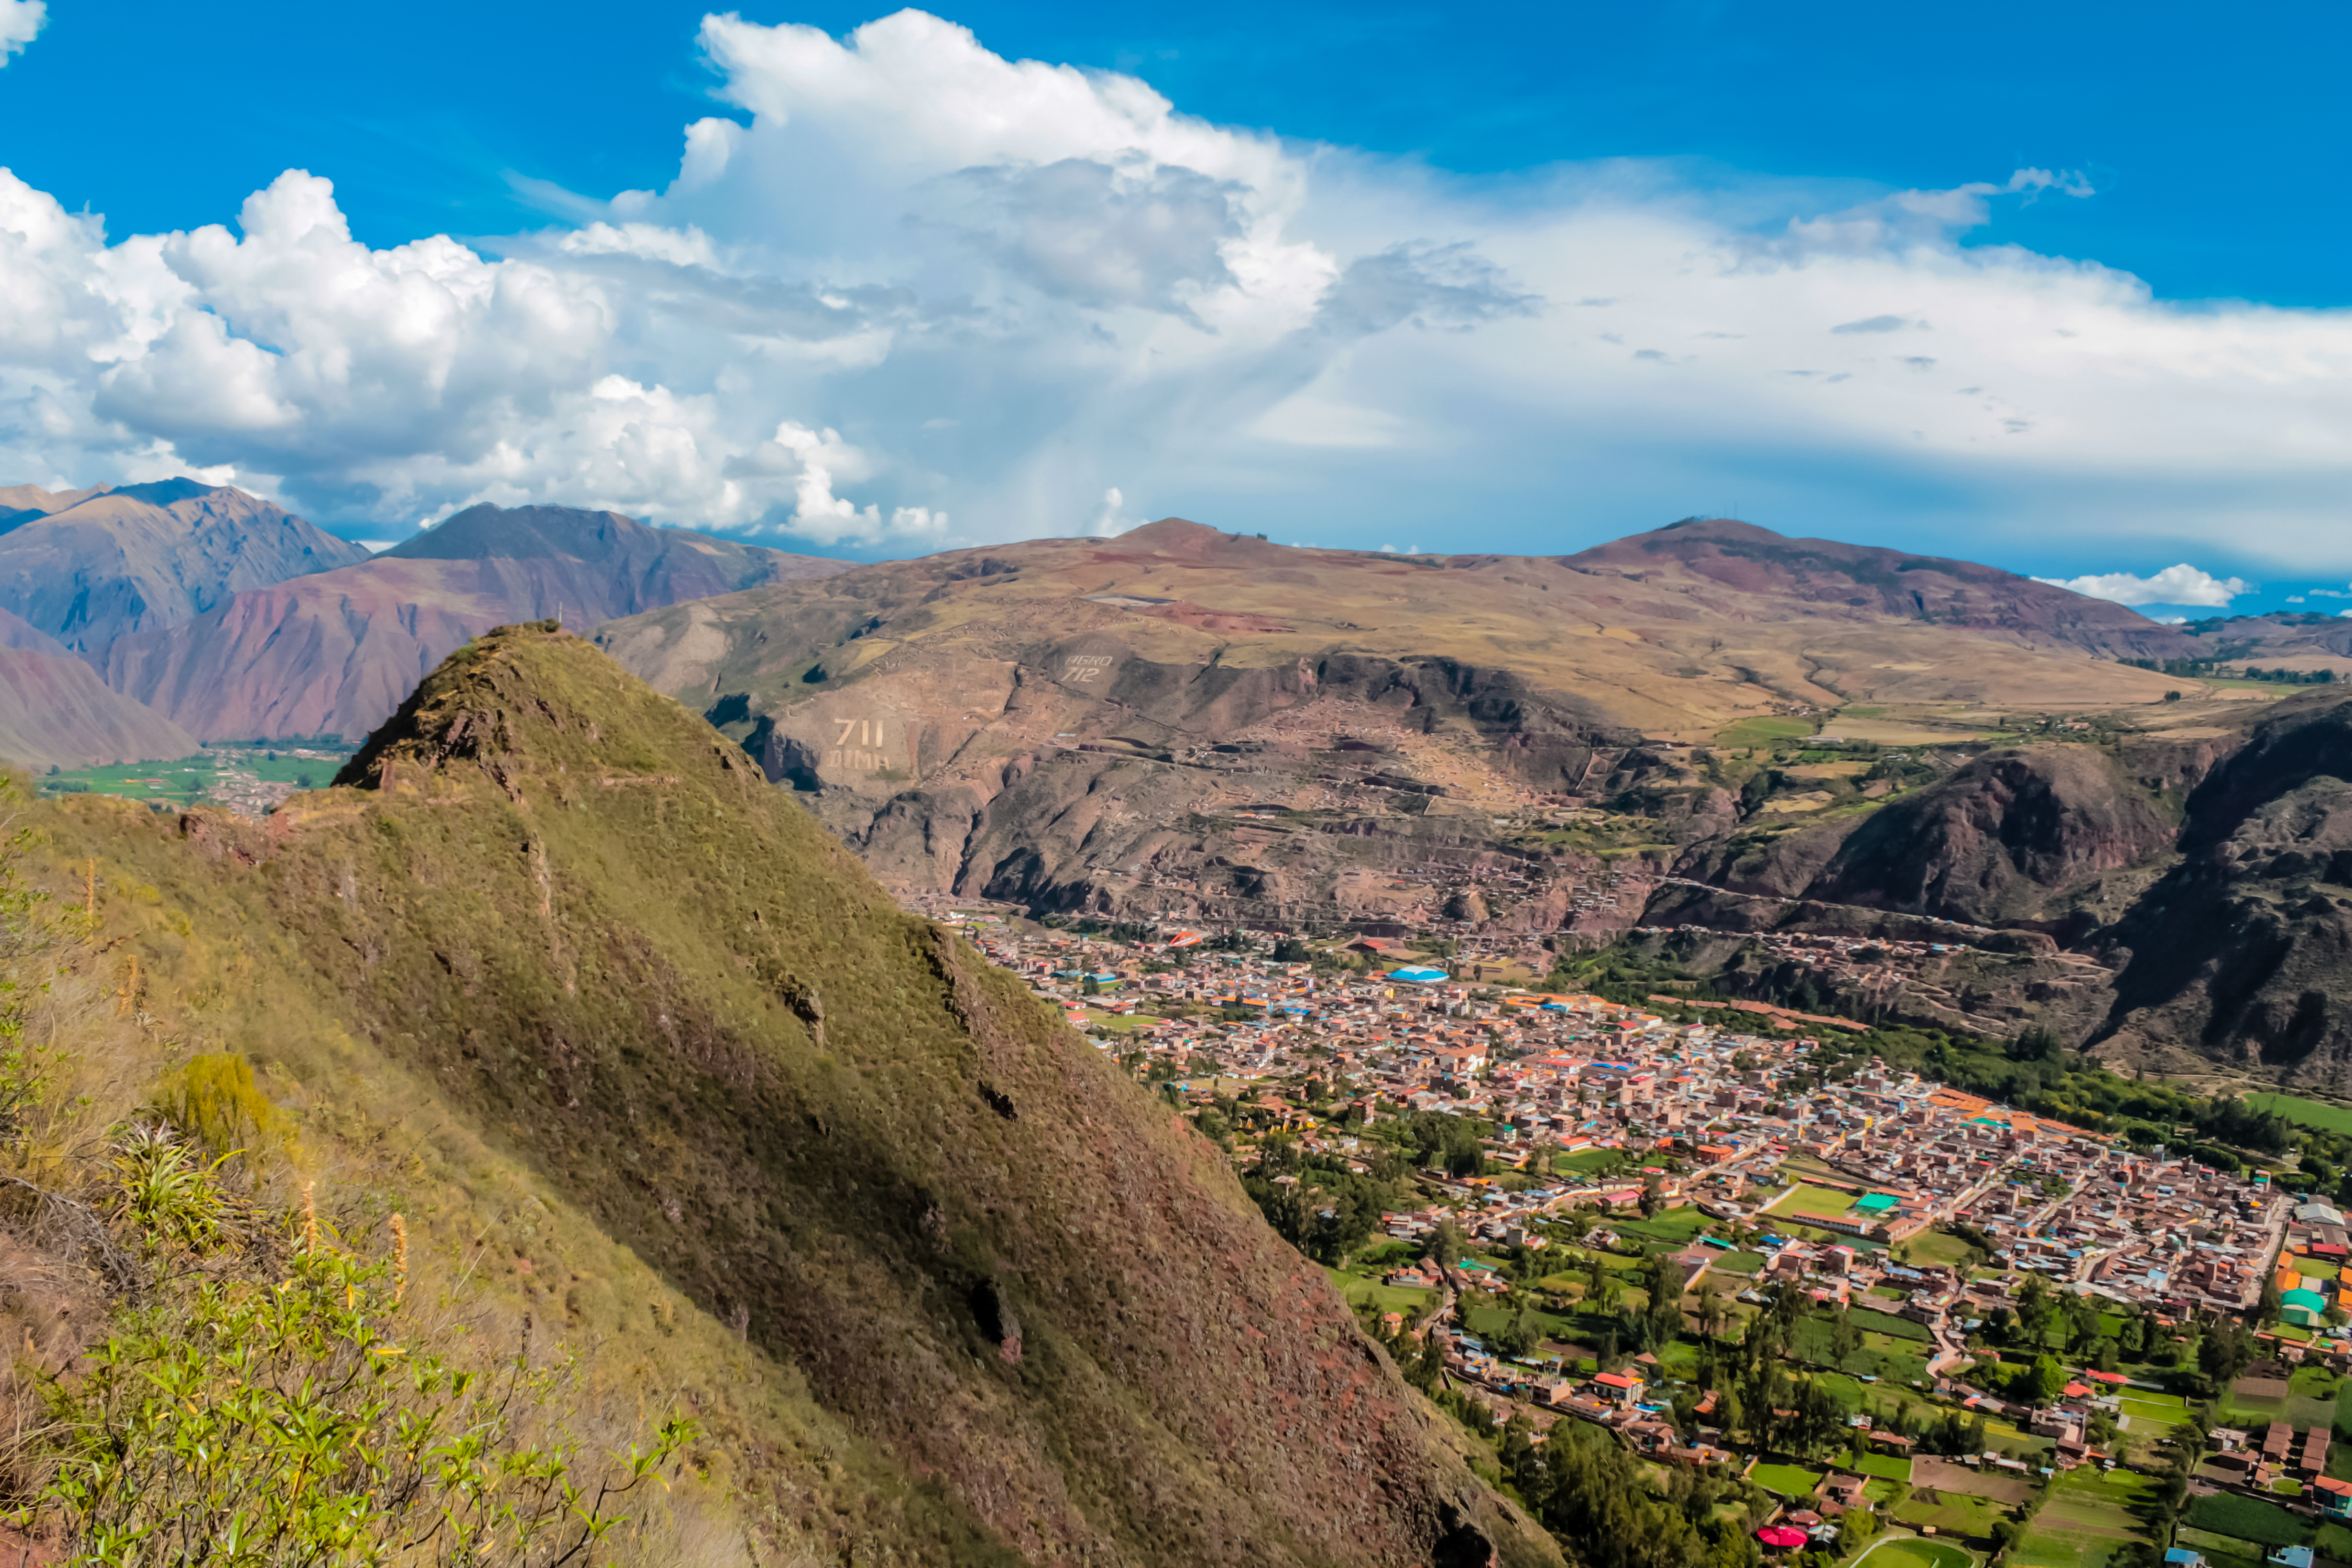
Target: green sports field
x=1807 y=1199
x=1914 y=1551
x=2308 y=1112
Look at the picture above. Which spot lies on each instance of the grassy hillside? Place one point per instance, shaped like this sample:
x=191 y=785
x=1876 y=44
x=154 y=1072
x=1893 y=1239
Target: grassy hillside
x=656 y=1071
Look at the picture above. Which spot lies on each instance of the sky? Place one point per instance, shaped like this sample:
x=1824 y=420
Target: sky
x=2062 y=292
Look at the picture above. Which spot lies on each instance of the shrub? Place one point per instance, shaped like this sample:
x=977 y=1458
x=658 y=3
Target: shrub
x=214 y=1099
x=263 y=1401
x=285 y=1424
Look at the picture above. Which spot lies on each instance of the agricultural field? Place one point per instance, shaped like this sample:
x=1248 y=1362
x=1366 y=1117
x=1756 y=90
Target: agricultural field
x=1749 y=734
x=2248 y=1519
x=1951 y=1513
x=1934 y=1249
x=1786 y=1481
x=2316 y=1382
x=2089 y=1517
x=2147 y=1414
x=1358 y=1290
x=1674 y=1227
x=187 y=781
x=2257 y=1400
x=1880 y=1356
x=1893 y=1327
x=1951 y=1480
x=2220 y=1551
x=1893 y=1467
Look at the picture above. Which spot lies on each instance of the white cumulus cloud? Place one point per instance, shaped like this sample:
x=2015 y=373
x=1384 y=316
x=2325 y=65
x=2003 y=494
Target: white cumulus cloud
x=2180 y=584
x=20 y=24
x=905 y=291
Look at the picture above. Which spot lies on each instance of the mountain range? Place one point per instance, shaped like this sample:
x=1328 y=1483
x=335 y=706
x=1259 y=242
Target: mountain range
x=88 y=567
x=1037 y=721
x=1708 y=725
x=596 y=979
x=336 y=651
x=134 y=620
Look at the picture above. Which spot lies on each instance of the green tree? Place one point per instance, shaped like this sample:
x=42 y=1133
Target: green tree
x=2034 y=1309
x=2223 y=1351
x=1845 y=1338
x=2041 y=1381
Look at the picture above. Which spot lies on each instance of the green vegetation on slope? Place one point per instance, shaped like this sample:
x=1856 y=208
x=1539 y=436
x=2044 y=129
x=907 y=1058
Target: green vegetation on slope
x=649 y=1063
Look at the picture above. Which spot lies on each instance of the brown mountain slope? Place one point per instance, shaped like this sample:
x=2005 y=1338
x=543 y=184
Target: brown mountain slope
x=2243 y=951
x=1074 y=723
x=2174 y=902
x=1996 y=842
x=145 y=556
x=335 y=653
x=561 y=973
x=17 y=632
x=1723 y=568
x=21 y=503
x=56 y=712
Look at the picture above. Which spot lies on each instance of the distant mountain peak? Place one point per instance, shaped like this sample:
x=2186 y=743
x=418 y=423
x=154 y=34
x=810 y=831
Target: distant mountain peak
x=1182 y=538
x=336 y=652
x=165 y=492
x=106 y=563
x=487 y=531
x=1710 y=524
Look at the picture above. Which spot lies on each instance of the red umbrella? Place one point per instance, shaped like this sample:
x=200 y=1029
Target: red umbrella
x=1780 y=1536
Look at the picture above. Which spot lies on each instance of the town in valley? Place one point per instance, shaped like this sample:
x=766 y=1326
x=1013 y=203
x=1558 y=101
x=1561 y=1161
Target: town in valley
x=1777 y=1251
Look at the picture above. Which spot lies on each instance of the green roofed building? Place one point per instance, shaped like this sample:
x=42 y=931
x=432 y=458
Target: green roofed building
x=2304 y=1307
x=1875 y=1203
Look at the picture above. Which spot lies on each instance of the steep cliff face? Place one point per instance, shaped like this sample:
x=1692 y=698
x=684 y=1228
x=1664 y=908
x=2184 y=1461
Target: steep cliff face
x=596 y=939
x=2243 y=950
x=2003 y=840
x=2000 y=839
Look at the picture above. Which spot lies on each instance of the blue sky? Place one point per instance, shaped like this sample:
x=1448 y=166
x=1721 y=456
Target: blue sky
x=2212 y=145
x=1338 y=310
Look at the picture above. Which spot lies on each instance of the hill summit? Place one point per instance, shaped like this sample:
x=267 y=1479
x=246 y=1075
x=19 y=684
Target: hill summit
x=953 y=1288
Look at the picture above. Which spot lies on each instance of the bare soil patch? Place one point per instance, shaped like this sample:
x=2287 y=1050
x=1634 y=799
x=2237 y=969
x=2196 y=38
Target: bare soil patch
x=1947 y=1477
